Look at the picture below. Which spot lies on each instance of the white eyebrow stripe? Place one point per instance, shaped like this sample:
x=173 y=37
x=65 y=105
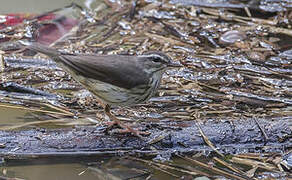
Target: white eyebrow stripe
x=164 y=58
x=153 y=55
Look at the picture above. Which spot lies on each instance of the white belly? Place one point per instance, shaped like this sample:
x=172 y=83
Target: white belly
x=114 y=95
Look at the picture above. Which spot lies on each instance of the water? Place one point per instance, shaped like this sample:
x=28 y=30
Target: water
x=32 y=6
x=62 y=171
x=11 y=116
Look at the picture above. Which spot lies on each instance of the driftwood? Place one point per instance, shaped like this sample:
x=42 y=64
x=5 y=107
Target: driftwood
x=244 y=135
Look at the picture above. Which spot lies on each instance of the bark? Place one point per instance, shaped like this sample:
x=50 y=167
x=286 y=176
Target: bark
x=242 y=135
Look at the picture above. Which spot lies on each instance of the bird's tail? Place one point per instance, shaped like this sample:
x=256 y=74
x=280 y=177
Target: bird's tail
x=51 y=52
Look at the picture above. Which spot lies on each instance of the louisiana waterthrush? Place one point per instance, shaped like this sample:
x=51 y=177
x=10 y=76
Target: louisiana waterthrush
x=114 y=79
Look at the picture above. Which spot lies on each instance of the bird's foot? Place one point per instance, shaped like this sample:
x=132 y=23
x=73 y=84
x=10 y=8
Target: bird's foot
x=126 y=129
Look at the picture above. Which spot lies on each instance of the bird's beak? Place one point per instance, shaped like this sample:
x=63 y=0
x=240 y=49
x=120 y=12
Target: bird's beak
x=174 y=64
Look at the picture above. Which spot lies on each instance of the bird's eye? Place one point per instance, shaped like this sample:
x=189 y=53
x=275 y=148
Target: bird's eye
x=155 y=59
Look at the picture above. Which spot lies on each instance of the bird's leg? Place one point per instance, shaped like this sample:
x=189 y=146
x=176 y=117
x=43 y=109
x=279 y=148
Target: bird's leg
x=98 y=115
x=107 y=110
x=126 y=129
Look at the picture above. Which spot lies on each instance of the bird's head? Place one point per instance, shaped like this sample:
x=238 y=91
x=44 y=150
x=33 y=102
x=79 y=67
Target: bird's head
x=155 y=61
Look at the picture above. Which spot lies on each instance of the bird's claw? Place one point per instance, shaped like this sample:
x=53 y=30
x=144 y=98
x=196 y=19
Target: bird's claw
x=126 y=129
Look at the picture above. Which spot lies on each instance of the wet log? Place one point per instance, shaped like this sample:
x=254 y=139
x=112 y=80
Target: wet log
x=240 y=135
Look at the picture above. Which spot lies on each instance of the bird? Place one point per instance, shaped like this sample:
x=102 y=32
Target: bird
x=115 y=80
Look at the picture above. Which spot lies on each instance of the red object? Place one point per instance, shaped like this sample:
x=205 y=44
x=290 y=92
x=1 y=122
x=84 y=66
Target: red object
x=16 y=18
x=52 y=32
x=47 y=33
x=13 y=19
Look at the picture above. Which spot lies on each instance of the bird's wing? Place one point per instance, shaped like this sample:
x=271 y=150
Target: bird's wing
x=121 y=71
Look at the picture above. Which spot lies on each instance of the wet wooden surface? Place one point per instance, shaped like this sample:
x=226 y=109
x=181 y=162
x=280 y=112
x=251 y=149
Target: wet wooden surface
x=243 y=135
